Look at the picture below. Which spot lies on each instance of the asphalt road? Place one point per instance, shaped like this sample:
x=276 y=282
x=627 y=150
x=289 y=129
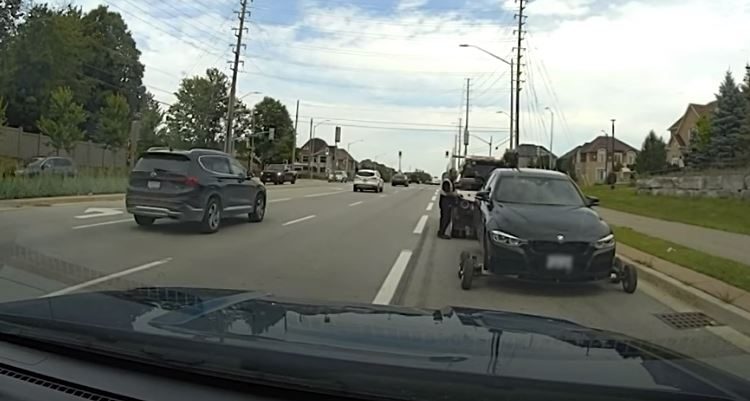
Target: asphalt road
x=320 y=241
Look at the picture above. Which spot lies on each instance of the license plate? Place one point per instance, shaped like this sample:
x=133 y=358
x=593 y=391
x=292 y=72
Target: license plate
x=154 y=184
x=560 y=262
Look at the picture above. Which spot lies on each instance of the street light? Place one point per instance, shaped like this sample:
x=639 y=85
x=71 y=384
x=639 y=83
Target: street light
x=551 y=133
x=510 y=63
x=348 y=145
x=484 y=141
x=248 y=94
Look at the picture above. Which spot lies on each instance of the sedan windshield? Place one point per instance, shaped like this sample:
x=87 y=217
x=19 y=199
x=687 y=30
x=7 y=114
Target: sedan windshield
x=538 y=191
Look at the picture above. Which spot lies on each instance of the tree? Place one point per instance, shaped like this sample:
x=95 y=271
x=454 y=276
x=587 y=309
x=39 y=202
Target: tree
x=700 y=139
x=10 y=14
x=745 y=132
x=653 y=155
x=269 y=113
x=62 y=120
x=197 y=118
x=725 y=145
x=3 y=107
x=151 y=118
x=113 y=122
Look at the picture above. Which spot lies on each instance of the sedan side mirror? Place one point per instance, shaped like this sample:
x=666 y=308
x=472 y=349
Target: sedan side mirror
x=483 y=196
x=249 y=174
x=592 y=201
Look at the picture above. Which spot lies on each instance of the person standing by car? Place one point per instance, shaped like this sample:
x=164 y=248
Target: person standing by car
x=447 y=201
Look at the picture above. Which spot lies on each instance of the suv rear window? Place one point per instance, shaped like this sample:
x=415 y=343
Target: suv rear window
x=169 y=162
x=365 y=173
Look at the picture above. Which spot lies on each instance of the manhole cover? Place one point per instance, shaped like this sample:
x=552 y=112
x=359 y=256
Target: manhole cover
x=686 y=320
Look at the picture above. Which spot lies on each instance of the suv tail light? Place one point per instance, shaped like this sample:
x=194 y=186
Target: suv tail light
x=191 y=181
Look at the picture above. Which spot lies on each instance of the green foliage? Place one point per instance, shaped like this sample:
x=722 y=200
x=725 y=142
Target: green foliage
x=653 y=154
x=699 y=142
x=197 y=117
x=10 y=14
x=151 y=118
x=420 y=176
x=53 y=185
x=269 y=113
x=113 y=122
x=725 y=145
x=745 y=132
x=62 y=120
x=3 y=108
x=385 y=171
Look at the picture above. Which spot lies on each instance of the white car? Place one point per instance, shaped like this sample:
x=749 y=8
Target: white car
x=368 y=179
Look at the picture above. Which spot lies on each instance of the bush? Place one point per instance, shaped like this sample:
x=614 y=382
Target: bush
x=49 y=185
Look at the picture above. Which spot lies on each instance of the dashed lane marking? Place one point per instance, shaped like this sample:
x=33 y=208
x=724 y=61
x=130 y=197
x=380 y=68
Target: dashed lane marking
x=106 y=223
x=356 y=203
x=301 y=219
x=322 y=194
x=279 y=200
x=420 y=224
x=429 y=206
x=390 y=284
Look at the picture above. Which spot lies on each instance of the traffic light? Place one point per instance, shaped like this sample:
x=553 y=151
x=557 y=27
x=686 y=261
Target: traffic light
x=447 y=154
x=399 y=153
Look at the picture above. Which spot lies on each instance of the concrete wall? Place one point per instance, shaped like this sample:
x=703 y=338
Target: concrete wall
x=727 y=185
x=16 y=143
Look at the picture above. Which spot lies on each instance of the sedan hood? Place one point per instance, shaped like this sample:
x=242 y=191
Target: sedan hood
x=478 y=343
x=544 y=223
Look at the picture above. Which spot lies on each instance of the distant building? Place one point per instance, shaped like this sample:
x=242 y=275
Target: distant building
x=681 y=132
x=591 y=161
x=534 y=156
x=318 y=155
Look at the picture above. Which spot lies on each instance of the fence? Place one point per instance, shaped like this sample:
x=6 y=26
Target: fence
x=16 y=143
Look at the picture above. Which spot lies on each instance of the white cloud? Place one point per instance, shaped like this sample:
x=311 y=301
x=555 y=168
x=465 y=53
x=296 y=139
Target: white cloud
x=405 y=5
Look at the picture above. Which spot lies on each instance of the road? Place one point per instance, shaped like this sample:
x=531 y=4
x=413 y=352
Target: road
x=318 y=241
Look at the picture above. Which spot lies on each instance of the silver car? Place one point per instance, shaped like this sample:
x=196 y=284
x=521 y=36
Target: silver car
x=368 y=180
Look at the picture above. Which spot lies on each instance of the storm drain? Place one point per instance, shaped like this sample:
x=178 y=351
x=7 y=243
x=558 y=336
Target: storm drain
x=686 y=320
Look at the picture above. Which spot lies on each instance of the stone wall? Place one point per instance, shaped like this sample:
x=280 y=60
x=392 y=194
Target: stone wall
x=729 y=185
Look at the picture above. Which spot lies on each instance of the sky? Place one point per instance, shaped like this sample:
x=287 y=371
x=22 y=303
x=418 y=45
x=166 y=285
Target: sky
x=392 y=75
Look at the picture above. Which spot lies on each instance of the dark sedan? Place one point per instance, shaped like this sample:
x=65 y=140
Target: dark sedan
x=399 y=179
x=537 y=224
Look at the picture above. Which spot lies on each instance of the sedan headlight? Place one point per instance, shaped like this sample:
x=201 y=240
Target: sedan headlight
x=502 y=238
x=607 y=241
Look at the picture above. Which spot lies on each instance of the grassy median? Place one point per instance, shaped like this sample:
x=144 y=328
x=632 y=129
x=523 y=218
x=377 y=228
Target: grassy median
x=722 y=214
x=43 y=186
x=728 y=271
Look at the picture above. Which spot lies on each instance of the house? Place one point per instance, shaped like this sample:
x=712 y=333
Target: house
x=591 y=162
x=316 y=154
x=680 y=133
x=534 y=156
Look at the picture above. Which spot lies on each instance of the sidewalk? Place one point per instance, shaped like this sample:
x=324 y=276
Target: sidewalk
x=720 y=243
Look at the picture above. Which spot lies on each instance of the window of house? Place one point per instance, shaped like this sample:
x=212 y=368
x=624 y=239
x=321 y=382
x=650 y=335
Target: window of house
x=601 y=154
x=305 y=159
x=323 y=159
x=618 y=158
x=593 y=157
x=583 y=158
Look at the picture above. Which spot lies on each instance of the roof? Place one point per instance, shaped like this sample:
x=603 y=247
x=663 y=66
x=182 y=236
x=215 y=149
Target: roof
x=342 y=154
x=571 y=152
x=604 y=142
x=531 y=172
x=529 y=150
x=699 y=109
x=318 y=145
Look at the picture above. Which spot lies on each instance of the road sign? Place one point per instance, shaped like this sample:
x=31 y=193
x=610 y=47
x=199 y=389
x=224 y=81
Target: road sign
x=93 y=212
x=338 y=134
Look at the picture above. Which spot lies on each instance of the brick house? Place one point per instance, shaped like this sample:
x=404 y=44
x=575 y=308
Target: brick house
x=681 y=132
x=592 y=161
x=317 y=154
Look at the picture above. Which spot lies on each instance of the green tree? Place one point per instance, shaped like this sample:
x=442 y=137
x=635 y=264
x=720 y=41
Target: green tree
x=113 y=122
x=10 y=14
x=725 y=146
x=3 y=108
x=197 y=118
x=269 y=113
x=653 y=155
x=149 y=133
x=699 y=141
x=62 y=120
x=745 y=132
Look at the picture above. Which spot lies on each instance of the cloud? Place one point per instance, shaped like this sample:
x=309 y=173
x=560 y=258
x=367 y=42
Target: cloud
x=405 y=5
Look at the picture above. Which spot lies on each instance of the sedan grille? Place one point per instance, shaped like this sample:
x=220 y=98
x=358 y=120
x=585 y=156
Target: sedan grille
x=557 y=247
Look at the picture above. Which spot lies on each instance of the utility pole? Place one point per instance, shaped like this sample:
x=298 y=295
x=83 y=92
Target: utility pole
x=551 y=135
x=229 y=145
x=457 y=144
x=294 y=136
x=310 y=150
x=521 y=22
x=613 y=153
x=466 y=126
x=490 y=146
x=510 y=116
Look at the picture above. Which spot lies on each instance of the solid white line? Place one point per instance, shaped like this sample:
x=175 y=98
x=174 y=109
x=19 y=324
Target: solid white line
x=288 y=223
x=433 y=198
x=420 y=224
x=356 y=203
x=279 y=200
x=429 y=206
x=388 y=288
x=107 y=278
x=106 y=223
x=322 y=194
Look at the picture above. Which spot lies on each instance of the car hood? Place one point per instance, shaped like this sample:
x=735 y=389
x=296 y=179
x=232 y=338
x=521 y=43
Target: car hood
x=478 y=342
x=545 y=223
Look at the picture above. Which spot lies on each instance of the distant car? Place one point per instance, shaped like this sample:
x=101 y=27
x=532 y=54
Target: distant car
x=399 y=179
x=368 y=180
x=42 y=165
x=278 y=174
x=338 y=176
x=435 y=180
x=199 y=185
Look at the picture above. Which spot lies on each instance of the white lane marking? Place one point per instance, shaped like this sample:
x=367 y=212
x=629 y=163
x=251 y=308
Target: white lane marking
x=420 y=224
x=99 y=212
x=288 y=223
x=356 y=203
x=279 y=200
x=322 y=194
x=383 y=196
x=106 y=223
x=107 y=278
x=433 y=198
x=429 y=206
x=388 y=288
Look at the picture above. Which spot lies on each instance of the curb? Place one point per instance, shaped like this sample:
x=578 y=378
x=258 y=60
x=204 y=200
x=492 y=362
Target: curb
x=17 y=203
x=725 y=313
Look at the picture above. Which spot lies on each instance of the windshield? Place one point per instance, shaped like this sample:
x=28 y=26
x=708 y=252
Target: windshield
x=472 y=189
x=537 y=191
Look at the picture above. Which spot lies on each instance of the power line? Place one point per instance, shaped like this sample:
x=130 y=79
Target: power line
x=450 y=126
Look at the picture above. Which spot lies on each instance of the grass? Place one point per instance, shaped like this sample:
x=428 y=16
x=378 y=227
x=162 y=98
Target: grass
x=722 y=214
x=728 y=271
x=83 y=184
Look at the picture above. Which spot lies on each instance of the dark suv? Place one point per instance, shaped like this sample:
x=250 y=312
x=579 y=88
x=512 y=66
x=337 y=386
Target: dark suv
x=278 y=174
x=199 y=185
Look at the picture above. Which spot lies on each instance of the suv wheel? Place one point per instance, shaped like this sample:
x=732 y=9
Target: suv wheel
x=144 y=220
x=259 y=211
x=212 y=216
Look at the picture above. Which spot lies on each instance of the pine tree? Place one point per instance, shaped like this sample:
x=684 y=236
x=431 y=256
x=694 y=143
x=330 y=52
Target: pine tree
x=745 y=132
x=725 y=149
x=653 y=154
x=699 y=141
